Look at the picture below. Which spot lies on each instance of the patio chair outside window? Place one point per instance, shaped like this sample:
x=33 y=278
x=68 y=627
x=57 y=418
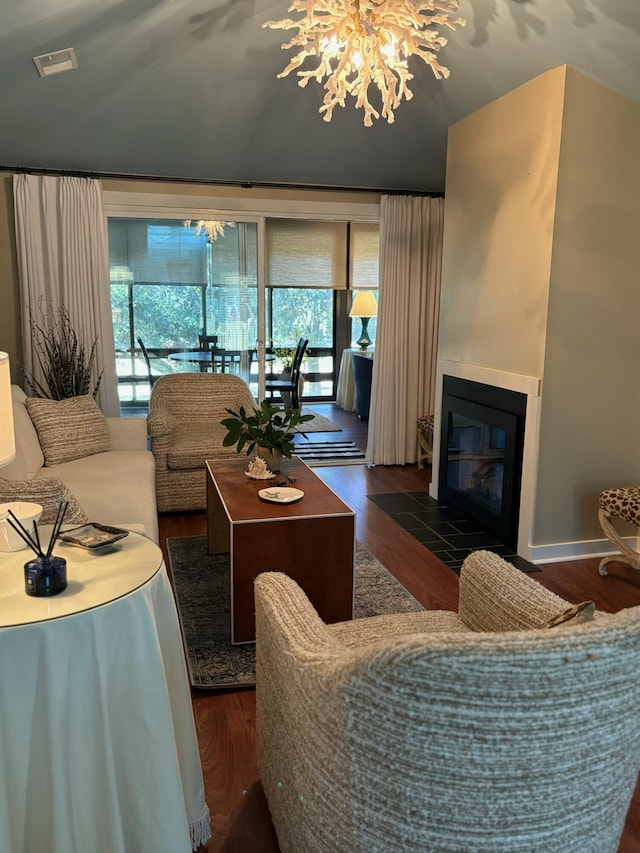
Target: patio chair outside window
x=290 y=386
x=152 y=378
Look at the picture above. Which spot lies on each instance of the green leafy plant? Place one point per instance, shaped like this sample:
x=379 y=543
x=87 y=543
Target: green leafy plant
x=267 y=426
x=285 y=356
x=63 y=359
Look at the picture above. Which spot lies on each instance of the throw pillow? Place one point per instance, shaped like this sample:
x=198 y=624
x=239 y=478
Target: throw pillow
x=582 y=612
x=69 y=429
x=48 y=492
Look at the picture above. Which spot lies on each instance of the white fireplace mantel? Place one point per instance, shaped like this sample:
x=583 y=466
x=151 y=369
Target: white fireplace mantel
x=529 y=385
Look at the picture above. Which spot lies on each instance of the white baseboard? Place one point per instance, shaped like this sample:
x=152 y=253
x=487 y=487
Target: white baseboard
x=561 y=552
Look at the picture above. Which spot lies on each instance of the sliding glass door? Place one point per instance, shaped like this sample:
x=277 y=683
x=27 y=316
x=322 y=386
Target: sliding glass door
x=233 y=293
x=189 y=290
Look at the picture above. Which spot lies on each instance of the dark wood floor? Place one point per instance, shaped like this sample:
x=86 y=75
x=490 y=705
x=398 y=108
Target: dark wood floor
x=225 y=720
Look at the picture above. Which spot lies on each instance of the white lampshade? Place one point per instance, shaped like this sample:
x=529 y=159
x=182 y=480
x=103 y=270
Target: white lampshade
x=364 y=305
x=7 y=438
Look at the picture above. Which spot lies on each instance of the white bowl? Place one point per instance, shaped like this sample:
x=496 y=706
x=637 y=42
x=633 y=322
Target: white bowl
x=26 y=513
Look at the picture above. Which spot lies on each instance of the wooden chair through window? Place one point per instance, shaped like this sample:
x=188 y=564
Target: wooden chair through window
x=145 y=354
x=291 y=385
x=208 y=342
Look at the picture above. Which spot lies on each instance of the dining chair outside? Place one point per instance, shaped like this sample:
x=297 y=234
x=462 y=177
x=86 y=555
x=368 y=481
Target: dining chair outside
x=291 y=385
x=208 y=342
x=152 y=379
x=225 y=360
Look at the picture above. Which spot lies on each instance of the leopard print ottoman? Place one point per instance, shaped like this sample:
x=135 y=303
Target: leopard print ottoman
x=622 y=503
x=425 y=439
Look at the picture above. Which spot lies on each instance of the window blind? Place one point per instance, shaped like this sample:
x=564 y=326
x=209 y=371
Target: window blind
x=156 y=251
x=364 y=246
x=306 y=253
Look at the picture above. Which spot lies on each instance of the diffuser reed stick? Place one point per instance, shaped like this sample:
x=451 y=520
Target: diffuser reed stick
x=35 y=546
x=56 y=527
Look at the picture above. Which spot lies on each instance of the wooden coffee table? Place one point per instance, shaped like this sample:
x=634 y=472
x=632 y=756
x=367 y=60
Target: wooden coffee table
x=312 y=540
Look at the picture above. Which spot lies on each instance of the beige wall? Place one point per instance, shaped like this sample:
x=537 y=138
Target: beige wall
x=255 y=194
x=540 y=271
x=591 y=393
x=499 y=209
x=10 y=335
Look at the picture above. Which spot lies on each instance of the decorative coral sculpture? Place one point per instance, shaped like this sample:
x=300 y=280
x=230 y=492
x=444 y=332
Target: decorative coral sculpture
x=258 y=470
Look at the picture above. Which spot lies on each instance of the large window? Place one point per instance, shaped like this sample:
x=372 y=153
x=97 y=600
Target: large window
x=312 y=268
x=170 y=285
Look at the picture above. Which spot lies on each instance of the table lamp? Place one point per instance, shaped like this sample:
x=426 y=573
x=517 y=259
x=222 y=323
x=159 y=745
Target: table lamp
x=7 y=438
x=364 y=306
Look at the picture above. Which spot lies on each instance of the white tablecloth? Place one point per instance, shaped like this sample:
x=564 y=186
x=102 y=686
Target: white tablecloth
x=346 y=391
x=98 y=752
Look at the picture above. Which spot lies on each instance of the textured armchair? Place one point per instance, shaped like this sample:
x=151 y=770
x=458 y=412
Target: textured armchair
x=185 y=411
x=506 y=727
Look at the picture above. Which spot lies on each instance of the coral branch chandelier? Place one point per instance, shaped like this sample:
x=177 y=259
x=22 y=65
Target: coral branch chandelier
x=213 y=228
x=362 y=42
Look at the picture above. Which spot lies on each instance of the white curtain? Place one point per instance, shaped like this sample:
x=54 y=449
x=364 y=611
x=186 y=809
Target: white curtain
x=404 y=367
x=63 y=257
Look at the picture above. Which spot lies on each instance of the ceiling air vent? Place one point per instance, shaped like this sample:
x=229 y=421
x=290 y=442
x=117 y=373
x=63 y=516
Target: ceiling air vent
x=56 y=62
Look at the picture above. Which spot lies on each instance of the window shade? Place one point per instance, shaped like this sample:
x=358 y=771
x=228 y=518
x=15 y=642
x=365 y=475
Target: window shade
x=364 y=243
x=305 y=253
x=156 y=251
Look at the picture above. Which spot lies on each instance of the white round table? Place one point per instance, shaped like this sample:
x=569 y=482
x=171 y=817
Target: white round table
x=98 y=750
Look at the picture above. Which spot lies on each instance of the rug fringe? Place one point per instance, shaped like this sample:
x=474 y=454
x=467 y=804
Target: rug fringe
x=200 y=829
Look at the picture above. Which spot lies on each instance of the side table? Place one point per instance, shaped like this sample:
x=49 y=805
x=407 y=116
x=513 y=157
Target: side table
x=99 y=749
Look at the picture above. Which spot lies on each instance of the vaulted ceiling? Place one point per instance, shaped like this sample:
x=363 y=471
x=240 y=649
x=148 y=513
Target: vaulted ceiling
x=188 y=89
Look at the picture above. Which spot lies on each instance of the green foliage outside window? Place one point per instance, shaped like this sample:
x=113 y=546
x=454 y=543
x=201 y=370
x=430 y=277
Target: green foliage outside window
x=302 y=312
x=164 y=316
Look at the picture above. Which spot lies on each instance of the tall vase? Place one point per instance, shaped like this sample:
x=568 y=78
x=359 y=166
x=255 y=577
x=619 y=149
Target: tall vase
x=273 y=458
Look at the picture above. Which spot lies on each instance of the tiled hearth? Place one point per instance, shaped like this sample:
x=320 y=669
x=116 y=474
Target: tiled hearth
x=445 y=531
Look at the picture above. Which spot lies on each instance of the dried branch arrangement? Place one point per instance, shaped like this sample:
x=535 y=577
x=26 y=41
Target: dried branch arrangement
x=63 y=359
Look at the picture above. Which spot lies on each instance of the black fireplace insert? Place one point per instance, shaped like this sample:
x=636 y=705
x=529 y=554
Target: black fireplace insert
x=481 y=445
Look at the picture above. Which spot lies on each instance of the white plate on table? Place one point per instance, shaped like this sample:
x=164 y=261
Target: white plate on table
x=281 y=495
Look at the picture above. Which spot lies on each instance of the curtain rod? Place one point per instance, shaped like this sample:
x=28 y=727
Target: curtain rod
x=118 y=176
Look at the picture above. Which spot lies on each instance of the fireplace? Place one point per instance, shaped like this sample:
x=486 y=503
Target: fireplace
x=481 y=447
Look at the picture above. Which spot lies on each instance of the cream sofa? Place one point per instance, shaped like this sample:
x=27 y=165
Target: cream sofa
x=116 y=487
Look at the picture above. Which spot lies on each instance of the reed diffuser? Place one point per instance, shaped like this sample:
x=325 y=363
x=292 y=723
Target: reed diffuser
x=45 y=575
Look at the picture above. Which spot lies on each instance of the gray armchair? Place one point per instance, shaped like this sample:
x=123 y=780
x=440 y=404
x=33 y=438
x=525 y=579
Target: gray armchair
x=185 y=411
x=509 y=726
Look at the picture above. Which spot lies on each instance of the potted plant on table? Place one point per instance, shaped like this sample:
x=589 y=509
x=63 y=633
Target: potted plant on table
x=267 y=431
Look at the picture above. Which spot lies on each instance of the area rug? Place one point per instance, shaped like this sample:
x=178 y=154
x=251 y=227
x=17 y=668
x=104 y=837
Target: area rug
x=201 y=585
x=319 y=453
x=318 y=424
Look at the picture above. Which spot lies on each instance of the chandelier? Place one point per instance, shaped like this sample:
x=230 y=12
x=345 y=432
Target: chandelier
x=213 y=228
x=362 y=42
